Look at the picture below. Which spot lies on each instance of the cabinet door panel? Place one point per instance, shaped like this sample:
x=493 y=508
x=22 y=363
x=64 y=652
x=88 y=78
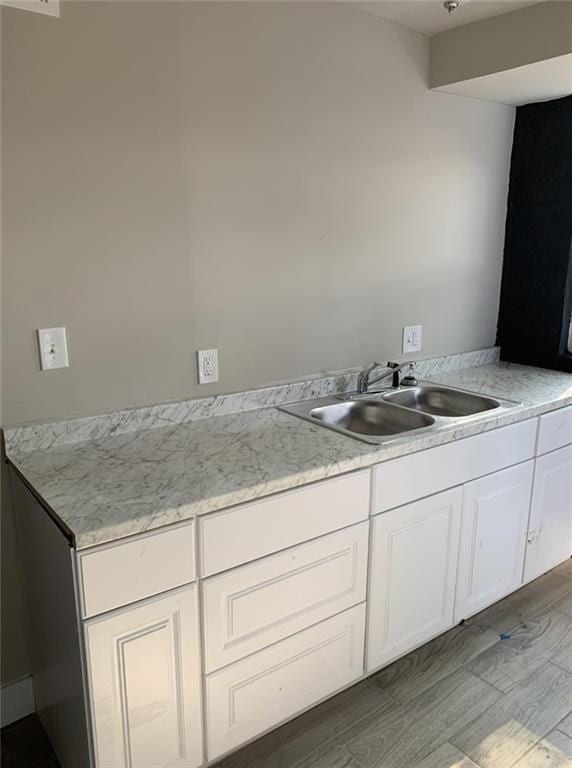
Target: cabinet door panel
x=550 y=526
x=412 y=584
x=144 y=671
x=493 y=538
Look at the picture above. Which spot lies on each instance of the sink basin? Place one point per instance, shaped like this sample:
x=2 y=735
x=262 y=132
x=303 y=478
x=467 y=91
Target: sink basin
x=370 y=418
x=388 y=415
x=442 y=401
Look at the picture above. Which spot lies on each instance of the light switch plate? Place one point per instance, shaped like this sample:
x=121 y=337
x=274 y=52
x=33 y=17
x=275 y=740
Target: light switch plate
x=412 y=338
x=207 y=364
x=53 y=347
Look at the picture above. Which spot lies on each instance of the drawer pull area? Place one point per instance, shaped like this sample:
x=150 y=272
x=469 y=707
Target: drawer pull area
x=240 y=534
x=133 y=569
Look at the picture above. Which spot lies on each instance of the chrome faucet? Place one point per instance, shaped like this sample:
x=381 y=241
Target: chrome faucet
x=364 y=381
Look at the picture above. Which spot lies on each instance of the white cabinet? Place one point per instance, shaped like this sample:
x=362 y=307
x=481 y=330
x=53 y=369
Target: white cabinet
x=554 y=430
x=132 y=569
x=493 y=538
x=262 y=602
x=144 y=670
x=423 y=473
x=413 y=563
x=550 y=526
x=254 y=694
x=247 y=532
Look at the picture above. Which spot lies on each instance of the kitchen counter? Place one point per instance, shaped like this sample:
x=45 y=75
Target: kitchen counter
x=123 y=483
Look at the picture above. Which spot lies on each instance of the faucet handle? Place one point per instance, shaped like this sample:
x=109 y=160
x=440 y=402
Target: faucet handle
x=410 y=380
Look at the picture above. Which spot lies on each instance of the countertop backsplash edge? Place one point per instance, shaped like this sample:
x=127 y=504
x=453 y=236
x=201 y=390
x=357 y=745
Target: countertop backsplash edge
x=47 y=435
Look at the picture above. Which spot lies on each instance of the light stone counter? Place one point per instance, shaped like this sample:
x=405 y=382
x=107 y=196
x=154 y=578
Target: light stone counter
x=155 y=467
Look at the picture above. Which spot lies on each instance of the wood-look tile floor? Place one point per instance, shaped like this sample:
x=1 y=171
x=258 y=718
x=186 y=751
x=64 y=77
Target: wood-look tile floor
x=469 y=699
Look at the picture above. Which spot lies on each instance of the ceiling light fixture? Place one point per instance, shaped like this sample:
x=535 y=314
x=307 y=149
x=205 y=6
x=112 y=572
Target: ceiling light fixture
x=451 y=5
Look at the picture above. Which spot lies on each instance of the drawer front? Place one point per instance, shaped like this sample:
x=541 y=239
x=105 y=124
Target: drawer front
x=257 y=693
x=128 y=571
x=257 y=604
x=421 y=474
x=244 y=533
x=554 y=430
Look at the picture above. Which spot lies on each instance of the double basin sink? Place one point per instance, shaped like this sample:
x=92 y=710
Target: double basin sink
x=382 y=416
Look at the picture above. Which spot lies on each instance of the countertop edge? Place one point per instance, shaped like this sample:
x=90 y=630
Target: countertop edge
x=296 y=480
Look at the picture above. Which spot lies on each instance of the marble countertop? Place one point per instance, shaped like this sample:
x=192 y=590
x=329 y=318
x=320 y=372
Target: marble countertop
x=120 y=484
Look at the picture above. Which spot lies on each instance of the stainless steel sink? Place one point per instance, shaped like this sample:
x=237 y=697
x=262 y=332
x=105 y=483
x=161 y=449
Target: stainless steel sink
x=390 y=414
x=442 y=401
x=371 y=419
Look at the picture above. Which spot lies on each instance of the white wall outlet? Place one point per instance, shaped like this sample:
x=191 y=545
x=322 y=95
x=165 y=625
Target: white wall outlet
x=207 y=364
x=53 y=347
x=48 y=7
x=412 y=338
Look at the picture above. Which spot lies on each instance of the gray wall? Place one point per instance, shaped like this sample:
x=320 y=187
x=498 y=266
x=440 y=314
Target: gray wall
x=528 y=35
x=271 y=179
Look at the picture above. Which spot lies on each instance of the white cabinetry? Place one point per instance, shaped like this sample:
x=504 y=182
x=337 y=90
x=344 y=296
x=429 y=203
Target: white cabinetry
x=244 y=533
x=420 y=474
x=145 y=681
x=254 y=605
x=555 y=430
x=493 y=538
x=283 y=586
x=413 y=560
x=550 y=526
x=260 y=691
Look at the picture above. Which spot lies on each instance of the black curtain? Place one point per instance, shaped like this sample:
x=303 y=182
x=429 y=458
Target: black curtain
x=536 y=293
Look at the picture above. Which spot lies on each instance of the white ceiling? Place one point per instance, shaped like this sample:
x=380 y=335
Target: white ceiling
x=429 y=16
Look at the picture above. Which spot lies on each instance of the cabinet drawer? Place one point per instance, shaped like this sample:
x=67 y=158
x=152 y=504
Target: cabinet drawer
x=131 y=570
x=240 y=534
x=257 y=693
x=249 y=608
x=421 y=474
x=554 y=430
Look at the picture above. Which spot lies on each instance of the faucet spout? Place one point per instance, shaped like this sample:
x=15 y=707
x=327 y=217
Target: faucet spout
x=364 y=380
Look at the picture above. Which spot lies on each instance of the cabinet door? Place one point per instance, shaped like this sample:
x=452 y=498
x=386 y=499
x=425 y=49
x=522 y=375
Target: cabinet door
x=493 y=538
x=550 y=527
x=145 y=684
x=412 y=580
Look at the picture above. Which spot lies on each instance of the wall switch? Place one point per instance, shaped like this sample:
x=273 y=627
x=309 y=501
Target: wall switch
x=412 y=338
x=53 y=347
x=207 y=364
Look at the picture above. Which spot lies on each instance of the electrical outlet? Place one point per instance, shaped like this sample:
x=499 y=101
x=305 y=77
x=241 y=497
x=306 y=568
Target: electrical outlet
x=207 y=364
x=53 y=347
x=412 y=338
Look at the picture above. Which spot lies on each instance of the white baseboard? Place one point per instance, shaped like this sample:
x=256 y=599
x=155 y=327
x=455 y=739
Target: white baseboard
x=17 y=701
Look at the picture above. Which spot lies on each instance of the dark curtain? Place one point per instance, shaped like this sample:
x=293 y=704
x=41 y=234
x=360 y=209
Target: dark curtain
x=536 y=294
